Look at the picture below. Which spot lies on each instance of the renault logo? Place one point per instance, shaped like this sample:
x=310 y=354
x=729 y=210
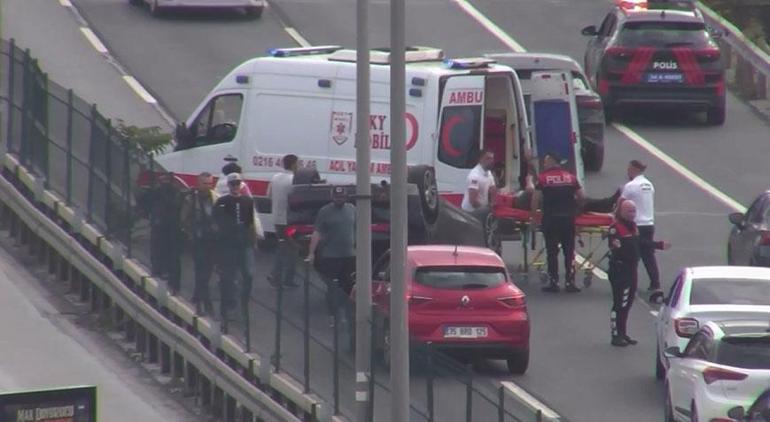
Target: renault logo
x=465 y=301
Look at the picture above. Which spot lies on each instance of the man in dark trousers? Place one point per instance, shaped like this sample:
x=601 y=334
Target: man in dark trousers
x=640 y=190
x=199 y=226
x=162 y=201
x=279 y=190
x=334 y=232
x=560 y=193
x=624 y=243
x=234 y=215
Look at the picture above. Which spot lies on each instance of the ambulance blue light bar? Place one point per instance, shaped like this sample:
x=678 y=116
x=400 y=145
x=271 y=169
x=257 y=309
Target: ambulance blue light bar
x=475 y=63
x=302 y=51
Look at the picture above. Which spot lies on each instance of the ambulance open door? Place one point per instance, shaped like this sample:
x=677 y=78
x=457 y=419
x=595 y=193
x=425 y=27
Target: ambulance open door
x=554 y=119
x=461 y=125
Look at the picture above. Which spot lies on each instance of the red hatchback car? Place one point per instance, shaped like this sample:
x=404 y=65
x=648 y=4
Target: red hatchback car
x=461 y=300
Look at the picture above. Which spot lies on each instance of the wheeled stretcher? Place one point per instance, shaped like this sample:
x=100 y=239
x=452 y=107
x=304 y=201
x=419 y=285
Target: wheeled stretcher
x=591 y=229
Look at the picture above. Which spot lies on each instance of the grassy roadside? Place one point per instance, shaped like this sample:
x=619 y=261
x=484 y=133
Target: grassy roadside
x=753 y=21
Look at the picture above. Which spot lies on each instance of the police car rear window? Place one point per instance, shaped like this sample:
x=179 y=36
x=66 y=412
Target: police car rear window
x=720 y=291
x=460 y=278
x=663 y=34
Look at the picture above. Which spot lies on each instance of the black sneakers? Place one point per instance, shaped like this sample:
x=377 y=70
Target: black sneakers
x=629 y=340
x=619 y=341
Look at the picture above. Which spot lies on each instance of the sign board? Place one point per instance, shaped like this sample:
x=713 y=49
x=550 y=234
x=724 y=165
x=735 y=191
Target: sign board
x=68 y=404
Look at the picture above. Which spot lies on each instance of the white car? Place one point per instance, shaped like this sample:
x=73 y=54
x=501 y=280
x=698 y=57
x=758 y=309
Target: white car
x=702 y=294
x=722 y=371
x=252 y=8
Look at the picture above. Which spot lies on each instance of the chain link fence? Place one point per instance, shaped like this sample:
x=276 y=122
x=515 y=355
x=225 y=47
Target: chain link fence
x=80 y=156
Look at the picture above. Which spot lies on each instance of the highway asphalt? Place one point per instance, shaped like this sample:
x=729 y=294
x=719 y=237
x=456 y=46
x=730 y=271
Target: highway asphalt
x=573 y=367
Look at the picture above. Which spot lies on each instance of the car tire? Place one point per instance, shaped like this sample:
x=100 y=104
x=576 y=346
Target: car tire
x=425 y=179
x=660 y=369
x=593 y=157
x=518 y=362
x=716 y=115
x=254 y=12
x=668 y=415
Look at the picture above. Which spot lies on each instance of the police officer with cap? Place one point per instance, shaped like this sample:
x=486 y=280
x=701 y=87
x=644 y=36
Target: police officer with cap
x=560 y=194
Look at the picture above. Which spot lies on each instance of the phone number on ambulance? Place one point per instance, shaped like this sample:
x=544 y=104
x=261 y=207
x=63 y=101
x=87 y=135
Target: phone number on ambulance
x=265 y=161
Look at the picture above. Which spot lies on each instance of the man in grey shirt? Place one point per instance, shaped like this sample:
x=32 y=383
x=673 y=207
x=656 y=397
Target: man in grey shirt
x=335 y=228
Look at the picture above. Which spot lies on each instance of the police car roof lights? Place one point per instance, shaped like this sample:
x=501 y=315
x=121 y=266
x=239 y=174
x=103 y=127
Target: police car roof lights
x=471 y=63
x=382 y=55
x=303 y=51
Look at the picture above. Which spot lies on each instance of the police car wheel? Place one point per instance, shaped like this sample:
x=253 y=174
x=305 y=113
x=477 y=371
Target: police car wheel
x=716 y=116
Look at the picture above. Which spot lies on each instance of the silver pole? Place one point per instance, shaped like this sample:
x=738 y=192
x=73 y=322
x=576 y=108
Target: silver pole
x=363 y=216
x=399 y=330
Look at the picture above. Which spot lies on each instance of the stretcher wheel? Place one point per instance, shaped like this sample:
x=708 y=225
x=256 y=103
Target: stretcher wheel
x=588 y=279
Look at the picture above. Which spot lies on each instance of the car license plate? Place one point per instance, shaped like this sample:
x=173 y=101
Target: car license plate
x=663 y=78
x=465 y=332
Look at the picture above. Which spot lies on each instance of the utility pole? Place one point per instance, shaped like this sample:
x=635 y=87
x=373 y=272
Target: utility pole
x=363 y=216
x=399 y=329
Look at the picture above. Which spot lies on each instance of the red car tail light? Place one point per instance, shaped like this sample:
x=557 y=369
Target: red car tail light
x=764 y=238
x=514 y=302
x=686 y=327
x=712 y=375
x=418 y=300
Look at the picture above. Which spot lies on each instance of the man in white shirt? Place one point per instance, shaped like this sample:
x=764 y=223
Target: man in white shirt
x=481 y=191
x=640 y=190
x=280 y=187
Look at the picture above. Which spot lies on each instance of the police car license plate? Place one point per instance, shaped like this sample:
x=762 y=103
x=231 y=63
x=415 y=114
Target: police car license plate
x=663 y=78
x=465 y=332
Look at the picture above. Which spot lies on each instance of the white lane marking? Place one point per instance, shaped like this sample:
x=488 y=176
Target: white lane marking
x=65 y=3
x=139 y=89
x=297 y=37
x=654 y=313
x=596 y=270
x=679 y=168
x=533 y=403
x=490 y=26
x=93 y=39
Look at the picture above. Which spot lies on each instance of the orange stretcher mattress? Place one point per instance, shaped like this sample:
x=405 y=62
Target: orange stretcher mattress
x=584 y=220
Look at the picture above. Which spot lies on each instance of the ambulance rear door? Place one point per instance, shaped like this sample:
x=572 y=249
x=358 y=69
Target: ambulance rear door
x=460 y=126
x=554 y=119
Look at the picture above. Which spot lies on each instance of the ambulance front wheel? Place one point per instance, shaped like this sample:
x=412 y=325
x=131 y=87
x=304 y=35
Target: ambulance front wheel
x=425 y=179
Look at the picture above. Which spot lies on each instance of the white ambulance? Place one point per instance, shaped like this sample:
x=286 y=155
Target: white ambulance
x=302 y=101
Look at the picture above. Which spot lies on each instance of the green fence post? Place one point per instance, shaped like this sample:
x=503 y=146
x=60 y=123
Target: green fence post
x=501 y=404
x=24 y=143
x=90 y=201
x=11 y=80
x=46 y=153
x=70 y=107
x=127 y=197
x=469 y=399
x=109 y=219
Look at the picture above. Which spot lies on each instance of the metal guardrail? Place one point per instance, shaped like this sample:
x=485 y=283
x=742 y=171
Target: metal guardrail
x=748 y=65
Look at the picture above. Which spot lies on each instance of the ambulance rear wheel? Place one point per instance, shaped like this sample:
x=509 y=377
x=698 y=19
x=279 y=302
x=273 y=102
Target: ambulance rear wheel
x=425 y=179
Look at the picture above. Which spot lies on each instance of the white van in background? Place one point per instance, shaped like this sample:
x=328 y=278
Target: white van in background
x=302 y=101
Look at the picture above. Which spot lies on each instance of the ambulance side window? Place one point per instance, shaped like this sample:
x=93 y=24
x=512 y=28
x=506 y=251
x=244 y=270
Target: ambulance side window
x=218 y=122
x=459 y=137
